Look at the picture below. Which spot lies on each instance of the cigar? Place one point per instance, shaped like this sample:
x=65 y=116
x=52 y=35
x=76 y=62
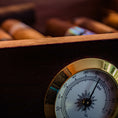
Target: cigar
x=93 y=25
x=20 y=30
x=24 y=12
x=57 y=27
x=111 y=19
x=4 y=36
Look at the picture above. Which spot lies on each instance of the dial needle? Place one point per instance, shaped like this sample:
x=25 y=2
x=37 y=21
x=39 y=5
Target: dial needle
x=87 y=101
x=94 y=88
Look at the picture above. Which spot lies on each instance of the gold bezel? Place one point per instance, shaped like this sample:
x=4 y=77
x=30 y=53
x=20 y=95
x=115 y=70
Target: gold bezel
x=70 y=70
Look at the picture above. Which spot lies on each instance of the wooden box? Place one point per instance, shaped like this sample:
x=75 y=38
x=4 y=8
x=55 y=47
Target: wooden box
x=28 y=66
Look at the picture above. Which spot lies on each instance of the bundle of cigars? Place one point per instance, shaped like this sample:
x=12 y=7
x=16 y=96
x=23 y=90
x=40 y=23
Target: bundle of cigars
x=15 y=24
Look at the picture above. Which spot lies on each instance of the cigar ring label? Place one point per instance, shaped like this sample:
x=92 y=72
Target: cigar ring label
x=16 y=27
x=74 y=31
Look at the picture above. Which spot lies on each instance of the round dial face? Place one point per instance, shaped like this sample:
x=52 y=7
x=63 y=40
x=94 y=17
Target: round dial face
x=87 y=94
x=87 y=88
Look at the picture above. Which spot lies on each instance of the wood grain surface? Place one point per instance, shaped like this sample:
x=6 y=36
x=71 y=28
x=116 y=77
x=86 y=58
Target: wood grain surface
x=58 y=40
